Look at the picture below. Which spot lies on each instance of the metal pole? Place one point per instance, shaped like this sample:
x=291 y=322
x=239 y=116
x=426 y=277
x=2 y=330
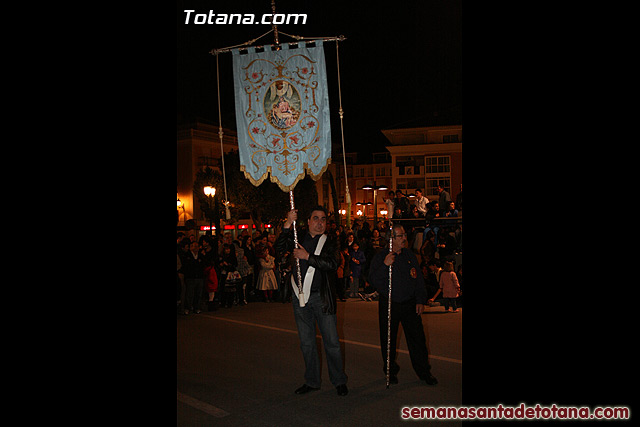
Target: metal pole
x=389 y=308
x=220 y=134
x=295 y=241
x=250 y=42
x=275 y=26
x=344 y=156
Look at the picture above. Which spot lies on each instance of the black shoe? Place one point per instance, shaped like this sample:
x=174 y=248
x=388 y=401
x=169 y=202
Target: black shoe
x=342 y=390
x=430 y=379
x=305 y=389
x=393 y=379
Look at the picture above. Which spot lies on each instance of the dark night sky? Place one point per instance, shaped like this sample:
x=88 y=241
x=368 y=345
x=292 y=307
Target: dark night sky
x=399 y=65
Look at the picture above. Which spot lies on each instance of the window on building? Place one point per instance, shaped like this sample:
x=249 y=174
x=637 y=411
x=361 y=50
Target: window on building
x=382 y=171
x=409 y=165
x=381 y=157
x=450 y=138
x=432 y=187
x=437 y=164
x=409 y=185
x=437 y=171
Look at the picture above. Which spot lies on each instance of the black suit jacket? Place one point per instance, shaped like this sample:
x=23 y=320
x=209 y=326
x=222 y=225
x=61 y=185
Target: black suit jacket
x=325 y=264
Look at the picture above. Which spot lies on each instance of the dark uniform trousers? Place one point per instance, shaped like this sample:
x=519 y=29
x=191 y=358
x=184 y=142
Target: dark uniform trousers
x=404 y=313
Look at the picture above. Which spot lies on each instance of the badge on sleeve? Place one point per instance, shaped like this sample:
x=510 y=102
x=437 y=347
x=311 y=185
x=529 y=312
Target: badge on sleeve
x=413 y=273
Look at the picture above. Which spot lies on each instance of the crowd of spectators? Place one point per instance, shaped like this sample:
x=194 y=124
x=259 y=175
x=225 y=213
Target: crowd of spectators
x=217 y=273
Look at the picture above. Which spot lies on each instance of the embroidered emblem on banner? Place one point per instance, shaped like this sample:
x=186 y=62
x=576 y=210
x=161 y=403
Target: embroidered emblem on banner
x=282 y=114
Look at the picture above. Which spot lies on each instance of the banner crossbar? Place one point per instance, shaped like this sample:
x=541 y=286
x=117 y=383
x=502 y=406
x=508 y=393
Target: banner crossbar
x=248 y=44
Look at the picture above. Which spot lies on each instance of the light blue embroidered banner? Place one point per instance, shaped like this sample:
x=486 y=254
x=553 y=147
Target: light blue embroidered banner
x=282 y=114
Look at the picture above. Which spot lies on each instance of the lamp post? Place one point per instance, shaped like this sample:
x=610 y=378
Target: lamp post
x=364 y=209
x=375 y=189
x=210 y=192
x=181 y=205
x=342 y=212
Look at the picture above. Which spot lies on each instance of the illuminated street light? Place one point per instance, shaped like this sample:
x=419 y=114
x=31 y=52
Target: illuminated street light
x=375 y=189
x=210 y=192
x=181 y=205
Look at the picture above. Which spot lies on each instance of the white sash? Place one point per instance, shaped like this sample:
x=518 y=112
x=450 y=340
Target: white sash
x=308 y=278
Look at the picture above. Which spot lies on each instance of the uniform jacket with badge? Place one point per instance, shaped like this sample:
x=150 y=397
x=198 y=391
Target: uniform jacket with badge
x=407 y=282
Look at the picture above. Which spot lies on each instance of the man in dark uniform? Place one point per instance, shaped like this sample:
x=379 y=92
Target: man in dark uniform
x=320 y=296
x=408 y=296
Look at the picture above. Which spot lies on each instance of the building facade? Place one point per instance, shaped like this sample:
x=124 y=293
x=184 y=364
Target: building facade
x=417 y=158
x=425 y=157
x=198 y=146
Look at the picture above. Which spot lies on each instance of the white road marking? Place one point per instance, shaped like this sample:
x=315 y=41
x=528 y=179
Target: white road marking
x=202 y=406
x=362 y=344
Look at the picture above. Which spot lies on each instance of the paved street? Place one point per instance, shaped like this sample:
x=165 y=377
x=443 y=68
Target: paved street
x=239 y=367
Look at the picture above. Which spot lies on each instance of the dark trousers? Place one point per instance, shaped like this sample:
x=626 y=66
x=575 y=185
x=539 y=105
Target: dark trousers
x=306 y=319
x=450 y=302
x=193 y=293
x=341 y=286
x=228 y=294
x=404 y=313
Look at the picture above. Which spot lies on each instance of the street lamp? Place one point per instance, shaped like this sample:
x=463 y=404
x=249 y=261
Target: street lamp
x=375 y=189
x=364 y=209
x=210 y=192
x=342 y=213
x=181 y=205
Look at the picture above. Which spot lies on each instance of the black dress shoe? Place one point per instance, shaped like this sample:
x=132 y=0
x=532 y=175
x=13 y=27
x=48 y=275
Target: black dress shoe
x=430 y=379
x=342 y=390
x=305 y=389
